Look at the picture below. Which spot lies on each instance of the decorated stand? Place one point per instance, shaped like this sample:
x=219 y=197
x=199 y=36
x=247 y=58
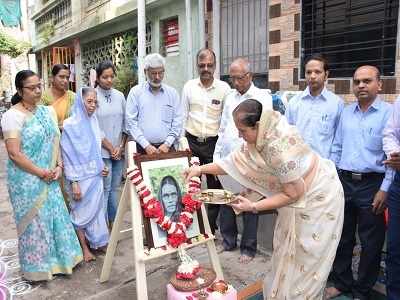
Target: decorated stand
x=149 y=194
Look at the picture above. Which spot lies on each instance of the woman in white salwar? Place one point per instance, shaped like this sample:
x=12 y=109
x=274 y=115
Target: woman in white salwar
x=84 y=168
x=303 y=187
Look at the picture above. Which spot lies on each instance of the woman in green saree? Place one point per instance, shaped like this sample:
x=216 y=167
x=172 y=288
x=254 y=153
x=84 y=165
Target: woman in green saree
x=47 y=242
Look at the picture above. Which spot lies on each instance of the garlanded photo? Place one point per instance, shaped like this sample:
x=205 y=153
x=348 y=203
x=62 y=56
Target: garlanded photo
x=164 y=178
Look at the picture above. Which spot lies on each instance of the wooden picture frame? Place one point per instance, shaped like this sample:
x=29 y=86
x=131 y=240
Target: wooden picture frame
x=158 y=170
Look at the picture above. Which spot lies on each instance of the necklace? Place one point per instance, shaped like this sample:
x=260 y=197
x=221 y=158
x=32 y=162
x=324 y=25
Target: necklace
x=31 y=109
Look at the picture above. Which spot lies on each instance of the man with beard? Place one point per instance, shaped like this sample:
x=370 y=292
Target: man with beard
x=203 y=99
x=154 y=112
x=316 y=111
x=359 y=157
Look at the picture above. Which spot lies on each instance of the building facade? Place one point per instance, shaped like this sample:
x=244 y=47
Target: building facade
x=349 y=33
x=83 y=33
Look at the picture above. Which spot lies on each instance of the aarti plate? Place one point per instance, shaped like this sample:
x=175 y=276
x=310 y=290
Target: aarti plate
x=215 y=196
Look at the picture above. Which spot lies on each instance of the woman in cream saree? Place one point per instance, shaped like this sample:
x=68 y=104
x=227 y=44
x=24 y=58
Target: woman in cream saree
x=304 y=188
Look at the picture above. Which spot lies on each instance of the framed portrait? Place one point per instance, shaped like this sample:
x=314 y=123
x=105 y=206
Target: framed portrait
x=163 y=175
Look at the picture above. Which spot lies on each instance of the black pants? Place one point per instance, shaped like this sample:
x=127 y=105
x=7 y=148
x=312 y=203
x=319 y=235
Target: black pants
x=204 y=151
x=229 y=231
x=359 y=195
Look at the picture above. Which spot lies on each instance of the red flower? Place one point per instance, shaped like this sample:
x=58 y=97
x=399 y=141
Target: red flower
x=144 y=193
x=178 y=237
x=189 y=204
x=152 y=209
x=183 y=218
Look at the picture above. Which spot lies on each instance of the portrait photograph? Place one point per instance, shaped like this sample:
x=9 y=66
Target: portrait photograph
x=164 y=178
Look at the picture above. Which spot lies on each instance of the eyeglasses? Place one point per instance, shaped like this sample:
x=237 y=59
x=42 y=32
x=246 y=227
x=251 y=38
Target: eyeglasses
x=202 y=66
x=34 y=87
x=240 y=78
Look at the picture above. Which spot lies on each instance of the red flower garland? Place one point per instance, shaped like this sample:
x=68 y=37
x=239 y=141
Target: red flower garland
x=176 y=231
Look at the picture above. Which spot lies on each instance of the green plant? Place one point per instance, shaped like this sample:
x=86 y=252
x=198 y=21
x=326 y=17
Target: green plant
x=46 y=32
x=11 y=46
x=125 y=78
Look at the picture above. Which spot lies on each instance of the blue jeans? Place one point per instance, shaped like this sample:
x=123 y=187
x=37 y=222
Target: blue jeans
x=111 y=185
x=393 y=241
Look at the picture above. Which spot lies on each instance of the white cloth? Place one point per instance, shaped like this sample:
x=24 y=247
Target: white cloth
x=228 y=135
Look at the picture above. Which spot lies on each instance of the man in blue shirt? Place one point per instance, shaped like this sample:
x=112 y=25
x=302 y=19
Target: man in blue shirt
x=316 y=111
x=154 y=111
x=358 y=153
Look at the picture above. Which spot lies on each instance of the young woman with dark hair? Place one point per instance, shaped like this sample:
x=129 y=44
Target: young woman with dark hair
x=47 y=242
x=111 y=115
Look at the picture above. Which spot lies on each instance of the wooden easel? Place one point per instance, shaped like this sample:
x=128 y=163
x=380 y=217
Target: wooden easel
x=130 y=201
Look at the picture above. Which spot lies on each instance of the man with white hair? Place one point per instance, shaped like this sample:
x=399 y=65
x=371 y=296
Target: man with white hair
x=154 y=112
x=228 y=140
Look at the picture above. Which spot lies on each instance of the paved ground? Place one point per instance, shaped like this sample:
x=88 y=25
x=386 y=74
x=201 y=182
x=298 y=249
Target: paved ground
x=84 y=283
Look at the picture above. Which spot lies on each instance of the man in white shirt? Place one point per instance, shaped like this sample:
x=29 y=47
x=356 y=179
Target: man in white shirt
x=203 y=99
x=228 y=140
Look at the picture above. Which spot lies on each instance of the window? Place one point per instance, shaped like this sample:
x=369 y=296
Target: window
x=170 y=37
x=243 y=27
x=351 y=33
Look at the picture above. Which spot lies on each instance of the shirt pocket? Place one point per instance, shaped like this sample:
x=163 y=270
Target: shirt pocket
x=167 y=112
x=215 y=107
x=374 y=142
x=326 y=124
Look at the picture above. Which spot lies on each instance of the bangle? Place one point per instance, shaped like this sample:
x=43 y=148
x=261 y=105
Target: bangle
x=60 y=164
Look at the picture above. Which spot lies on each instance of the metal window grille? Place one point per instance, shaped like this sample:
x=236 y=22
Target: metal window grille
x=59 y=15
x=244 y=33
x=120 y=48
x=350 y=33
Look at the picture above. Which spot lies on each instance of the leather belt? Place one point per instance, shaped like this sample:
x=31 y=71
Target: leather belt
x=201 y=139
x=357 y=176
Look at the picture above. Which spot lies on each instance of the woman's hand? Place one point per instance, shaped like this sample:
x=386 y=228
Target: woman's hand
x=191 y=172
x=57 y=172
x=116 y=153
x=76 y=191
x=105 y=171
x=46 y=175
x=242 y=204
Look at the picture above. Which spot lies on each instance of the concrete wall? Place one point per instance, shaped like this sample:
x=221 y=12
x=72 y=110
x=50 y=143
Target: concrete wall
x=176 y=74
